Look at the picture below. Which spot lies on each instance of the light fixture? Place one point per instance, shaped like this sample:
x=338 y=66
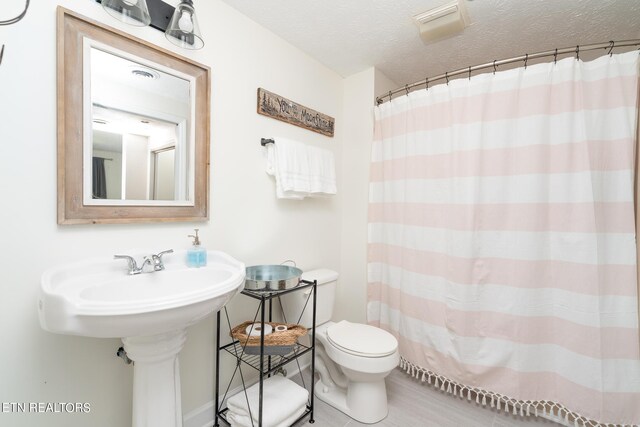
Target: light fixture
x=179 y=24
x=442 y=22
x=183 y=30
x=133 y=12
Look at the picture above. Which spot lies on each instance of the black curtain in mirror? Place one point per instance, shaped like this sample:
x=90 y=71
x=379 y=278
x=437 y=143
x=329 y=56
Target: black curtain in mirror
x=99 y=179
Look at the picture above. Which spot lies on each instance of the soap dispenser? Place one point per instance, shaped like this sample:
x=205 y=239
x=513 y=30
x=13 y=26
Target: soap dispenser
x=196 y=254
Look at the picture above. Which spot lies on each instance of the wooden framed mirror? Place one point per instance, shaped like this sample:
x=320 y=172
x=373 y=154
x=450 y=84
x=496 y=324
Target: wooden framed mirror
x=133 y=128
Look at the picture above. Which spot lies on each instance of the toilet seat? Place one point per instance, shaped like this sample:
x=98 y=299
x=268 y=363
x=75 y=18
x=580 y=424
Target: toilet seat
x=361 y=340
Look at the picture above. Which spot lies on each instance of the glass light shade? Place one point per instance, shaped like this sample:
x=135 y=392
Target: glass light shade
x=132 y=12
x=183 y=30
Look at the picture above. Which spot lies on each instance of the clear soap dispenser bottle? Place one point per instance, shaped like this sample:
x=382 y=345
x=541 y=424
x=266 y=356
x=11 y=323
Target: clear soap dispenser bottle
x=196 y=254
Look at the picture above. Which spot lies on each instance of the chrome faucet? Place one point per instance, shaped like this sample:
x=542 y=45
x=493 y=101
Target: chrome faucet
x=154 y=260
x=133 y=266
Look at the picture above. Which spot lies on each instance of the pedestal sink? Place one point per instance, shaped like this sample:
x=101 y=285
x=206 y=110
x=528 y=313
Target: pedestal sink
x=149 y=311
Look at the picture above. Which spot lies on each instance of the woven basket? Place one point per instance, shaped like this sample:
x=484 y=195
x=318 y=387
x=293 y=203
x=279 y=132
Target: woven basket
x=284 y=338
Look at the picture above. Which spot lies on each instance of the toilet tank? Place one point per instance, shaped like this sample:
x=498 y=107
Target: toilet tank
x=294 y=302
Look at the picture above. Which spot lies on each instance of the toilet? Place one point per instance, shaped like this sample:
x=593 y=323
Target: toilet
x=352 y=359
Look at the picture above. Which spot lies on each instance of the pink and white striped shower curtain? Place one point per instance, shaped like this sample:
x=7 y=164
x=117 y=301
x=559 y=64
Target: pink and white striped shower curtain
x=502 y=248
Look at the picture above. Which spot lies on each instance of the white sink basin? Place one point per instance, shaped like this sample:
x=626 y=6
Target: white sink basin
x=97 y=298
x=149 y=311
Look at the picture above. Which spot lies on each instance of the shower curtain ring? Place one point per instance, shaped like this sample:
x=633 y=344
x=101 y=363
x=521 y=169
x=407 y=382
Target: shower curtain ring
x=555 y=56
x=446 y=76
x=469 y=72
x=389 y=95
x=612 y=45
x=406 y=89
x=426 y=83
x=578 y=53
x=494 y=66
x=526 y=58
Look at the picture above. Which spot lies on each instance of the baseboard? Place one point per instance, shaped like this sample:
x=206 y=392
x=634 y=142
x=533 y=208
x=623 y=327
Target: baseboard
x=200 y=417
x=203 y=416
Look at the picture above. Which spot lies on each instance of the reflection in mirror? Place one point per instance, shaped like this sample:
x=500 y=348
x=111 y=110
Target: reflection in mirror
x=133 y=128
x=163 y=173
x=140 y=125
x=125 y=147
x=107 y=165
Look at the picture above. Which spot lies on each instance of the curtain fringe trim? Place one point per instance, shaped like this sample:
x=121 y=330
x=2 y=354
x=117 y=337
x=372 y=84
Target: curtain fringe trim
x=502 y=402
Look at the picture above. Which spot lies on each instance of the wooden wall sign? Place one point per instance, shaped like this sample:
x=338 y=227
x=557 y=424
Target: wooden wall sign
x=280 y=108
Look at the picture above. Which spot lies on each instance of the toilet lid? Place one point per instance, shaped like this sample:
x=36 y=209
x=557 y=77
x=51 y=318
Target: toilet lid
x=362 y=340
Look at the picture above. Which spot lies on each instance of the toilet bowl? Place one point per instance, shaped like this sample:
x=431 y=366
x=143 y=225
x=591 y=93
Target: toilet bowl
x=364 y=355
x=352 y=359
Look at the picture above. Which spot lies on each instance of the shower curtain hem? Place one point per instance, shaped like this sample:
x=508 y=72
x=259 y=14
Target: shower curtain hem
x=539 y=408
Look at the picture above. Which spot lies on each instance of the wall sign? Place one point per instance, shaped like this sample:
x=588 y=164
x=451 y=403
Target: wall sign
x=280 y=108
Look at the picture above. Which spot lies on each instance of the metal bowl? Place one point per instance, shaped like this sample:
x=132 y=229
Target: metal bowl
x=272 y=277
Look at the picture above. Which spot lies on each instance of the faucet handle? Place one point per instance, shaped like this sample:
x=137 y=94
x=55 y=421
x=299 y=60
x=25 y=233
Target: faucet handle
x=158 y=265
x=131 y=263
x=168 y=251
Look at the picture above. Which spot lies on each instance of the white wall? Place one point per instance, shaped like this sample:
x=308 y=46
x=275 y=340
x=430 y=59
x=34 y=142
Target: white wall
x=246 y=219
x=136 y=155
x=359 y=95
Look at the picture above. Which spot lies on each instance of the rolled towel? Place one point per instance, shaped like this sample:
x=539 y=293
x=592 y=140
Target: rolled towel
x=237 y=420
x=281 y=398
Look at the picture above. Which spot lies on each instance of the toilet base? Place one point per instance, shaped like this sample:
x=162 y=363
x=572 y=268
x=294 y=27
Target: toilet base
x=365 y=402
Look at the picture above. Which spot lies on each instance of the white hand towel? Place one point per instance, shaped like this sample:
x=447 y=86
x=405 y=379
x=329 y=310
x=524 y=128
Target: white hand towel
x=301 y=170
x=280 y=399
x=244 y=420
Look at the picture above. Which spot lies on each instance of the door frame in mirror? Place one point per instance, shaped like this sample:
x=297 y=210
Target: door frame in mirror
x=72 y=29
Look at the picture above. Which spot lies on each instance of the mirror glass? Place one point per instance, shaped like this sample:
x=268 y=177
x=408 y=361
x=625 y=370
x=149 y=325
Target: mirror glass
x=139 y=146
x=133 y=128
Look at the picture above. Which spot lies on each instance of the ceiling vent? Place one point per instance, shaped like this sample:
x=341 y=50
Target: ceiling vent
x=442 y=22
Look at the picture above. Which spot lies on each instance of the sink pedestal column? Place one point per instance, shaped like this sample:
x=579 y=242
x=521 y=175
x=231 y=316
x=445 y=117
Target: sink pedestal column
x=156 y=379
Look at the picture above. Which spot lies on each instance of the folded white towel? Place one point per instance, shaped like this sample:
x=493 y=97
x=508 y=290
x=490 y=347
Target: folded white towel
x=300 y=170
x=280 y=399
x=237 y=420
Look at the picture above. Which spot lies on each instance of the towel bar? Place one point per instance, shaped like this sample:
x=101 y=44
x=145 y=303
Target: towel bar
x=265 y=141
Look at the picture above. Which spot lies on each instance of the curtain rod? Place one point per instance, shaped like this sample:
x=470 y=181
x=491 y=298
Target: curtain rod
x=573 y=50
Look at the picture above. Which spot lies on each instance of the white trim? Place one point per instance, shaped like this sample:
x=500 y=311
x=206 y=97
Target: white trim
x=202 y=416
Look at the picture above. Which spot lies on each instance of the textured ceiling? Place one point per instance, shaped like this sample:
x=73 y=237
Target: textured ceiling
x=349 y=36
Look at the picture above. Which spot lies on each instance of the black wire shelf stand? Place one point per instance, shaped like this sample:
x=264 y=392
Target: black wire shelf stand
x=264 y=364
